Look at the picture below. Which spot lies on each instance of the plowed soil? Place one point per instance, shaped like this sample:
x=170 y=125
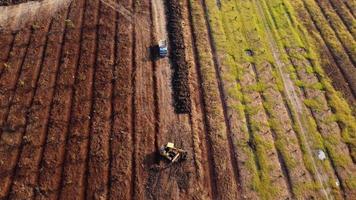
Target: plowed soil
x=85 y=104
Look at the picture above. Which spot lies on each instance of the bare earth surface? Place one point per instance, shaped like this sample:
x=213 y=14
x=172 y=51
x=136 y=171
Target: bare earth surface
x=85 y=106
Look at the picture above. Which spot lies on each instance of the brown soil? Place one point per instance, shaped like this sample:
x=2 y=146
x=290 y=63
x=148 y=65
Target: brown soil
x=12 y=2
x=84 y=109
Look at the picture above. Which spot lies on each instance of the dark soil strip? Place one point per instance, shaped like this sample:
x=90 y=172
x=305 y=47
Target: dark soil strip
x=180 y=76
x=217 y=66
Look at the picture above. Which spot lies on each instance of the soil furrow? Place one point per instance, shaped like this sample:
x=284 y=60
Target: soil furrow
x=262 y=139
x=222 y=94
x=49 y=176
x=17 y=118
x=345 y=15
x=98 y=166
x=75 y=156
x=351 y=6
x=216 y=130
x=329 y=130
x=144 y=132
x=121 y=138
x=11 y=74
x=196 y=118
x=331 y=65
x=343 y=35
x=346 y=67
x=24 y=184
x=292 y=99
x=6 y=44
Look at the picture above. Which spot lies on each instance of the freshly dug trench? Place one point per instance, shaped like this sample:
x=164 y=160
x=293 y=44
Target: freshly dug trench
x=11 y=2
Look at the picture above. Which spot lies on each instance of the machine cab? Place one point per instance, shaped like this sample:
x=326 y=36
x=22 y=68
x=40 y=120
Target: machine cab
x=163 y=49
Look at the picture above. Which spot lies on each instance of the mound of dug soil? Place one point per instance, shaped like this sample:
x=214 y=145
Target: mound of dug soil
x=180 y=79
x=12 y=2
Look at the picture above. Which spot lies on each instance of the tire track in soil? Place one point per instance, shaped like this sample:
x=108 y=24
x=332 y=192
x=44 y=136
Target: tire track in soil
x=144 y=109
x=291 y=96
x=6 y=44
x=98 y=166
x=9 y=77
x=347 y=69
x=122 y=101
x=49 y=175
x=76 y=160
x=22 y=100
x=171 y=182
x=345 y=15
x=26 y=175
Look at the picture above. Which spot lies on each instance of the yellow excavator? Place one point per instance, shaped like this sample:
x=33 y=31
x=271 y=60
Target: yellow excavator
x=172 y=154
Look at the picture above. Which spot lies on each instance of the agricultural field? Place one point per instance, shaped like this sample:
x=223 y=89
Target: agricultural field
x=260 y=93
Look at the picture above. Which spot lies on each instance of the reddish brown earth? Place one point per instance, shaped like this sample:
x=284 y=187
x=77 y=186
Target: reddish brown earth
x=84 y=109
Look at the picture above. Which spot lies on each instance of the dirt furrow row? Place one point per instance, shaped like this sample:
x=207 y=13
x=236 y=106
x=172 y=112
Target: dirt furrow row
x=75 y=166
x=343 y=35
x=351 y=5
x=200 y=154
x=121 y=146
x=11 y=73
x=98 y=166
x=144 y=122
x=18 y=118
x=222 y=168
x=341 y=58
x=316 y=100
x=262 y=140
x=331 y=66
x=345 y=15
x=59 y=112
x=287 y=140
x=24 y=184
x=7 y=39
